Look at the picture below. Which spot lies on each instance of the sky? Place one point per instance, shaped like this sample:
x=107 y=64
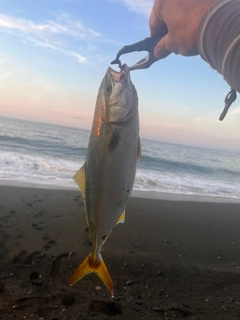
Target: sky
x=54 y=54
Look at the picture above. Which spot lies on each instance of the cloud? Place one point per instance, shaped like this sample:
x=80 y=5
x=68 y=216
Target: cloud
x=234 y=111
x=63 y=25
x=143 y=7
x=52 y=33
x=45 y=44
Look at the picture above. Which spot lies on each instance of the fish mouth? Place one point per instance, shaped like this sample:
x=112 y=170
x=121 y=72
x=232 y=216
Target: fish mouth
x=117 y=76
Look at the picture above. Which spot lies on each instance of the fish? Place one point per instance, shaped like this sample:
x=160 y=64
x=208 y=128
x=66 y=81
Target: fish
x=106 y=179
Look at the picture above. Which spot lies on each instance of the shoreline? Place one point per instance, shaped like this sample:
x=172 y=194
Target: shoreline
x=153 y=195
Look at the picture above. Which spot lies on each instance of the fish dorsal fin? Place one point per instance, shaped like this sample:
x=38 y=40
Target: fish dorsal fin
x=122 y=217
x=139 y=149
x=80 y=179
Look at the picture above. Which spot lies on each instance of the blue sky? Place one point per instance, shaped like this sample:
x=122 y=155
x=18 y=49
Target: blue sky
x=54 y=54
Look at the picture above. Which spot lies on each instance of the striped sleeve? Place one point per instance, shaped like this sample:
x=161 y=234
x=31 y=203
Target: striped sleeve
x=219 y=40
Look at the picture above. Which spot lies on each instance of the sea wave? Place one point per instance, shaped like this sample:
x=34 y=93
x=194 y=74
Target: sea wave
x=41 y=154
x=159 y=164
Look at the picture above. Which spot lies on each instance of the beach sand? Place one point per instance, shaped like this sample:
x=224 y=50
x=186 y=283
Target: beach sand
x=169 y=260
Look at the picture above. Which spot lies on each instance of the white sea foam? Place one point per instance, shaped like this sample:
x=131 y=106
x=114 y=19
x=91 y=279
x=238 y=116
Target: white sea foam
x=184 y=184
x=37 y=170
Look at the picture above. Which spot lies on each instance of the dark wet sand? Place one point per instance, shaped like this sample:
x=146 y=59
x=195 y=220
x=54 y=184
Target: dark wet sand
x=170 y=260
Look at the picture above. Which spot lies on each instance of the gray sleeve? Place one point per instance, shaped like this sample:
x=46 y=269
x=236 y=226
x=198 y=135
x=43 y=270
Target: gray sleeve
x=219 y=40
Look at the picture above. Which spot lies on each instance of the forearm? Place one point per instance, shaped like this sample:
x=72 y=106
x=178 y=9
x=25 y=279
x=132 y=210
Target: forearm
x=219 y=40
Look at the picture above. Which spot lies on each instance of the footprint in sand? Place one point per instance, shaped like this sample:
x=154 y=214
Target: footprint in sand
x=109 y=308
x=39 y=214
x=57 y=264
x=49 y=244
x=36 y=201
x=58 y=216
x=21 y=257
x=46 y=237
x=34 y=258
x=37 y=227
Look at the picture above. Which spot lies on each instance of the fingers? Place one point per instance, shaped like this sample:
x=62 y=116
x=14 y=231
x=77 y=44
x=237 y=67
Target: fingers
x=161 y=50
x=156 y=24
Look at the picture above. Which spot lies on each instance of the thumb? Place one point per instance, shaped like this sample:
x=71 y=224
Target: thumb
x=161 y=51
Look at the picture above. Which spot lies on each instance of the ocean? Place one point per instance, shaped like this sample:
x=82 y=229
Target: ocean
x=46 y=155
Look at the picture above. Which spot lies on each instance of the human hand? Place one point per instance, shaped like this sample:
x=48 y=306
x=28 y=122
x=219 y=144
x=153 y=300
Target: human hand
x=181 y=20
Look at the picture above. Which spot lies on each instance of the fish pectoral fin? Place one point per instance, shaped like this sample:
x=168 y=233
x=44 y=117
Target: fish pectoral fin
x=122 y=217
x=89 y=266
x=114 y=140
x=139 y=149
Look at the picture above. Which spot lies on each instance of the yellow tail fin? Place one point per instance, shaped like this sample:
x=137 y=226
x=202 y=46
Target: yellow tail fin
x=89 y=266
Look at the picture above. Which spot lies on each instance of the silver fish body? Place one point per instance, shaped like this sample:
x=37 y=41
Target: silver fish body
x=107 y=177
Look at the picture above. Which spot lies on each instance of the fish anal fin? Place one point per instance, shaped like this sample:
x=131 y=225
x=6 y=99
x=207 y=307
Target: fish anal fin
x=89 y=266
x=80 y=179
x=121 y=218
x=139 y=149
